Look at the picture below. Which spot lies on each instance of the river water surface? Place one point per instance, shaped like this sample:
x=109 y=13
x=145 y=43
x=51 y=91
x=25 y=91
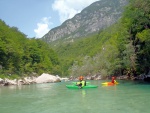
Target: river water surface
x=126 y=97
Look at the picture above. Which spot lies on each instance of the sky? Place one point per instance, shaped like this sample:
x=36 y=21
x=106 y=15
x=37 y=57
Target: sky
x=36 y=17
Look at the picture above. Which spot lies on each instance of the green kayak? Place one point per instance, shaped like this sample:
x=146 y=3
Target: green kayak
x=85 y=87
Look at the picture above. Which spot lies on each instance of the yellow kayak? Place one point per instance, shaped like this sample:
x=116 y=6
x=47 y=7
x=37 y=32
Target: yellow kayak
x=109 y=83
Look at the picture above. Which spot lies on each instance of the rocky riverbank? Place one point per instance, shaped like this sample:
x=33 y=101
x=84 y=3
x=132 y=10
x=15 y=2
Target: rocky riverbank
x=47 y=78
x=44 y=78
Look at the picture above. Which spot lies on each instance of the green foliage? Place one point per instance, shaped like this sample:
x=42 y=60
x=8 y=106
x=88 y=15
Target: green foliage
x=120 y=48
x=143 y=50
x=124 y=46
x=20 y=55
x=97 y=53
x=136 y=20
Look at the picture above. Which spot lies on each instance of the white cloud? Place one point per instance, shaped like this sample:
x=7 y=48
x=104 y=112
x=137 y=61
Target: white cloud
x=42 y=27
x=68 y=8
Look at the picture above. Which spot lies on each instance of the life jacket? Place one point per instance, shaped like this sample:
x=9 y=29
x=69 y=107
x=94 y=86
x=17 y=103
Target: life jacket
x=81 y=83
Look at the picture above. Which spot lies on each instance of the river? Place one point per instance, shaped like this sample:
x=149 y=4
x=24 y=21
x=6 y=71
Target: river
x=126 y=97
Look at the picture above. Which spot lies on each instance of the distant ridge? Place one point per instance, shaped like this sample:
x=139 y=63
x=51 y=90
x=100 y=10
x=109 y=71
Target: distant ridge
x=92 y=19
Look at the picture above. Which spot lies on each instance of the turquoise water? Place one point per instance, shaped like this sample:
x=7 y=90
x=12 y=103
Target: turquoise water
x=127 y=97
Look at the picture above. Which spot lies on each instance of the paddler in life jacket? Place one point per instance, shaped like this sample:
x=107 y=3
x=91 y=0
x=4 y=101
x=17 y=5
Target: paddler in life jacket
x=113 y=80
x=81 y=82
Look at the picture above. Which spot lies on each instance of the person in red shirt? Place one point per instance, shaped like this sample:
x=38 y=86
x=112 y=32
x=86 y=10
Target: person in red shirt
x=113 y=80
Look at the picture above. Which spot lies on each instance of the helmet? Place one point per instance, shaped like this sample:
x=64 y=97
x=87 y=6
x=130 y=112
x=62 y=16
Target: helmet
x=81 y=78
x=113 y=77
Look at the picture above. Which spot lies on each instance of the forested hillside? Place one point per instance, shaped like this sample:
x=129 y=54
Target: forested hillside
x=123 y=48
x=22 y=56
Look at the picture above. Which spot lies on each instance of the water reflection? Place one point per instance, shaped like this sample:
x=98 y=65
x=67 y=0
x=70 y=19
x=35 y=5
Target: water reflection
x=83 y=93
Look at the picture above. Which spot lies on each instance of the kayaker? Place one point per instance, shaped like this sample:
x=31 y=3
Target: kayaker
x=113 y=80
x=81 y=82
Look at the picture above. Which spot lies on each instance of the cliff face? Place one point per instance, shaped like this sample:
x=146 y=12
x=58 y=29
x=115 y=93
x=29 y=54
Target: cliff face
x=92 y=19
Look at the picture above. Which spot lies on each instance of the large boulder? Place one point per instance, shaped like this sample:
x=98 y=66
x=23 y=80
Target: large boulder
x=47 y=78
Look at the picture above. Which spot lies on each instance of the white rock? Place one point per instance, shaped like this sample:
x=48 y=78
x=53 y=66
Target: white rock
x=46 y=78
x=64 y=79
x=10 y=82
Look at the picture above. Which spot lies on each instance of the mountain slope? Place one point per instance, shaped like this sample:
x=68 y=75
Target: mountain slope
x=92 y=19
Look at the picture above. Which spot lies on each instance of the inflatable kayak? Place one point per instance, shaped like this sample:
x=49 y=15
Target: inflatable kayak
x=109 y=83
x=77 y=87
